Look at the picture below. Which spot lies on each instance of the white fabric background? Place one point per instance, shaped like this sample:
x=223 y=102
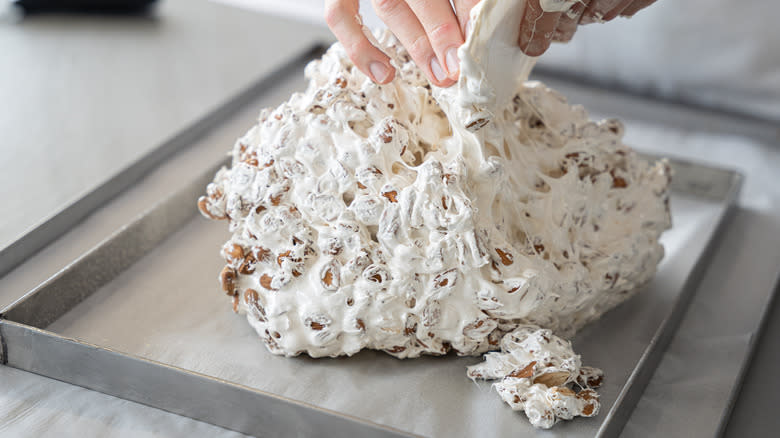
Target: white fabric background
x=719 y=52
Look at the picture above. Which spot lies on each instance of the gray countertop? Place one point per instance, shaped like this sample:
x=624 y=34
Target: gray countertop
x=86 y=96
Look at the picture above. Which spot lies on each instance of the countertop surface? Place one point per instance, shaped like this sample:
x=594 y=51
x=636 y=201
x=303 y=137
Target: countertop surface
x=108 y=89
x=86 y=96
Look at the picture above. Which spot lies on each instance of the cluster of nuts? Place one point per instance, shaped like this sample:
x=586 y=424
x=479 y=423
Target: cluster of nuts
x=538 y=373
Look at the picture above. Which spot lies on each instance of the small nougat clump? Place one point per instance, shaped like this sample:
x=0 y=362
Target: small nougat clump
x=361 y=218
x=540 y=374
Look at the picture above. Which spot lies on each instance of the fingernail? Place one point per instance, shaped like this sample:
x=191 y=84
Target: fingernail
x=453 y=63
x=379 y=71
x=469 y=27
x=438 y=72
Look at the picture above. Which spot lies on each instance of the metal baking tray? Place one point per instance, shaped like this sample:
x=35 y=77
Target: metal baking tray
x=140 y=317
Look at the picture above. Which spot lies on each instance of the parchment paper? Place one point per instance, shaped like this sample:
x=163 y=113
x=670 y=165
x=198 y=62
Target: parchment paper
x=168 y=307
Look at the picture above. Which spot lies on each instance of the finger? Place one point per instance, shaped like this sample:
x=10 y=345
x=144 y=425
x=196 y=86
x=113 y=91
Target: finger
x=463 y=11
x=635 y=7
x=597 y=10
x=567 y=25
x=405 y=25
x=537 y=28
x=440 y=24
x=614 y=12
x=342 y=18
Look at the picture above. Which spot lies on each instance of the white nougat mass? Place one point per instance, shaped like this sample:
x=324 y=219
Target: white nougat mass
x=418 y=220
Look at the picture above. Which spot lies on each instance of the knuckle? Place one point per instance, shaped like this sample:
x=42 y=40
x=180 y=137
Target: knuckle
x=334 y=12
x=357 y=47
x=444 y=32
x=420 y=48
x=386 y=8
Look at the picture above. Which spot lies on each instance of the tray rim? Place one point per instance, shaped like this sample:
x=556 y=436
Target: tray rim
x=104 y=353
x=648 y=363
x=44 y=231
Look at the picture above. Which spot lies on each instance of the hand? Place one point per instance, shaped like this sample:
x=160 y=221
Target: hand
x=429 y=29
x=432 y=31
x=539 y=28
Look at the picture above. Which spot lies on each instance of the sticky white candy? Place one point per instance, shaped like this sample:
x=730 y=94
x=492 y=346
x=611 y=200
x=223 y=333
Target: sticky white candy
x=419 y=220
x=540 y=374
x=416 y=221
x=361 y=219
